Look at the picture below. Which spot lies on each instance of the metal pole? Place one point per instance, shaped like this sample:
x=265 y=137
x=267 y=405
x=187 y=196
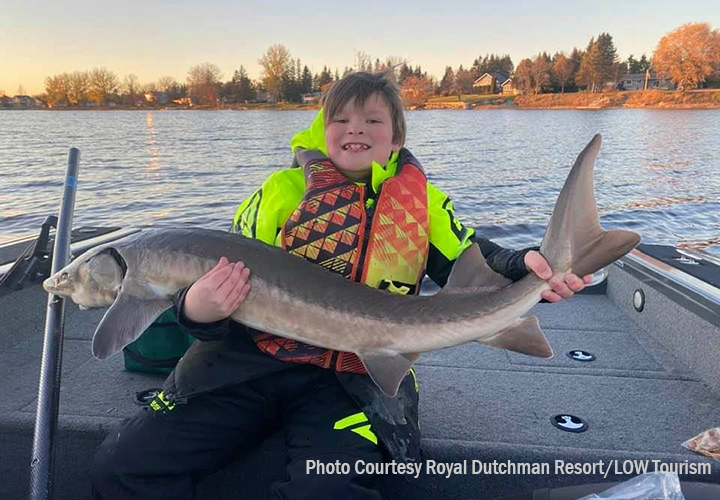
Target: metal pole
x=41 y=464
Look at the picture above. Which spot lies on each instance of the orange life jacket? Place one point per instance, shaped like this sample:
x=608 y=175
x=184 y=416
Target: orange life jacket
x=384 y=245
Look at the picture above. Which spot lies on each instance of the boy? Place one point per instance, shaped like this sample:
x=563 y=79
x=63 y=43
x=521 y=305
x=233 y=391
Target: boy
x=359 y=205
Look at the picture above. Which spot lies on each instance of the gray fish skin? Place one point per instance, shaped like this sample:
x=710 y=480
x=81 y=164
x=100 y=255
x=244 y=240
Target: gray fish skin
x=302 y=301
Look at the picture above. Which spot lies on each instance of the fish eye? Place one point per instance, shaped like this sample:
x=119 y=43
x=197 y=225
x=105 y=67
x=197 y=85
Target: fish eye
x=64 y=276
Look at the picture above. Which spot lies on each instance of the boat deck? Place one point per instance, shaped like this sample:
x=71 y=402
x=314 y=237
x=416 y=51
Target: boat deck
x=655 y=384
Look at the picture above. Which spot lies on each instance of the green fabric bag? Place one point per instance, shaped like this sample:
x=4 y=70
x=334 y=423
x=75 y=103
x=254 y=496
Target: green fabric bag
x=159 y=348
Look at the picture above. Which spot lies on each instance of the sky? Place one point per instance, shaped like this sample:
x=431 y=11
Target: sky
x=151 y=39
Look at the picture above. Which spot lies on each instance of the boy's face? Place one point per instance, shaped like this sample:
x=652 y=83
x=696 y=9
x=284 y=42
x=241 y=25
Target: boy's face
x=356 y=137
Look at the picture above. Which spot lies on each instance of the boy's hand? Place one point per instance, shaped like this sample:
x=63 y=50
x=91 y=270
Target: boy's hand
x=218 y=293
x=563 y=287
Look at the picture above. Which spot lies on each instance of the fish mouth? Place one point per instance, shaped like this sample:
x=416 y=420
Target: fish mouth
x=51 y=285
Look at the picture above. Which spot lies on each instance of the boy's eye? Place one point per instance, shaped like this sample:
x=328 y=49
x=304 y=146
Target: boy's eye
x=373 y=120
x=340 y=120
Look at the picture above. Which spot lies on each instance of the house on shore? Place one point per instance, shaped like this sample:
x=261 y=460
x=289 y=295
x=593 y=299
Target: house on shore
x=645 y=81
x=508 y=87
x=312 y=98
x=157 y=97
x=5 y=102
x=23 y=102
x=490 y=83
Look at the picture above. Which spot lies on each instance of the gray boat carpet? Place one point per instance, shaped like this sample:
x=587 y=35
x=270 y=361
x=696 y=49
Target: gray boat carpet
x=477 y=403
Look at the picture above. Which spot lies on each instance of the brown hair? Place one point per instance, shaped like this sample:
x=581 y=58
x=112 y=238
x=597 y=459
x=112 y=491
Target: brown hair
x=361 y=85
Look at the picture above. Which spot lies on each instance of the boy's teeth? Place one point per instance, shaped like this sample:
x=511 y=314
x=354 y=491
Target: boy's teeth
x=356 y=146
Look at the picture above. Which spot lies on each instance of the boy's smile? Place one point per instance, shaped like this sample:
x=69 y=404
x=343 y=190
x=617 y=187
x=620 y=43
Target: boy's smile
x=356 y=137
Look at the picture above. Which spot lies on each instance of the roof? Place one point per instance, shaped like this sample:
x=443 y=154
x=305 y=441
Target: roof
x=653 y=75
x=500 y=77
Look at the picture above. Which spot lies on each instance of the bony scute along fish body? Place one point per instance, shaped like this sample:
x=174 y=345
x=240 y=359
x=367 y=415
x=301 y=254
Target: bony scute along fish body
x=137 y=276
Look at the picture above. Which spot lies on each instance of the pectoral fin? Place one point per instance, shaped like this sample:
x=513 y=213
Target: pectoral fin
x=388 y=371
x=124 y=322
x=525 y=337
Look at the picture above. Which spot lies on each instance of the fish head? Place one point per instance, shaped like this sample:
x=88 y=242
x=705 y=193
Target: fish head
x=92 y=280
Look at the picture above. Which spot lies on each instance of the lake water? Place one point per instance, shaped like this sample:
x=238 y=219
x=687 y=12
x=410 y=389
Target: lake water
x=658 y=172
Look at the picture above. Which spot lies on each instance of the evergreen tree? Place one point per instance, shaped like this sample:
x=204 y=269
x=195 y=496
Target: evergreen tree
x=633 y=65
x=492 y=63
x=405 y=72
x=240 y=88
x=290 y=83
x=643 y=64
x=306 y=80
x=448 y=82
x=608 y=70
x=325 y=77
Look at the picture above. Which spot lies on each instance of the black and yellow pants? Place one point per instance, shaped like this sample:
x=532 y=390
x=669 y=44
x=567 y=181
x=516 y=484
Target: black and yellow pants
x=163 y=450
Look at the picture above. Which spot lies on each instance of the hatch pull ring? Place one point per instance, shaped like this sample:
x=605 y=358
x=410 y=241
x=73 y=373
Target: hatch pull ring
x=569 y=423
x=582 y=356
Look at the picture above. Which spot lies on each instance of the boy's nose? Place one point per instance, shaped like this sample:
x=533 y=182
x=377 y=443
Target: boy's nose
x=356 y=128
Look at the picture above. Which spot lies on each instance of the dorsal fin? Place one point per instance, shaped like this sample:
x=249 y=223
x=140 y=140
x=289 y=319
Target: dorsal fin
x=471 y=271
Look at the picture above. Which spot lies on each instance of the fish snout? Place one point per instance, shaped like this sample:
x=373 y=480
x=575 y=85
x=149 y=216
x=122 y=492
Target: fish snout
x=59 y=284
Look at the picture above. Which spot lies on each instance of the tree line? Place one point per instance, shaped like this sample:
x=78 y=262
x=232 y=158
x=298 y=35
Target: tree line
x=686 y=55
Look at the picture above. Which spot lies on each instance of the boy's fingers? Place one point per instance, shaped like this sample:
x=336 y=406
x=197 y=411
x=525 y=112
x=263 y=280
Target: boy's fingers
x=216 y=279
x=551 y=296
x=560 y=287
x=574 y=283
x=222 y=264
x=226 y=287
x=241 y=287
x=239 y=296
x=537 y=264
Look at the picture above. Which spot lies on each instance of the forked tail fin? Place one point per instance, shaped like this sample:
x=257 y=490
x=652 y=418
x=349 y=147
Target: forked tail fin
x=574 y=239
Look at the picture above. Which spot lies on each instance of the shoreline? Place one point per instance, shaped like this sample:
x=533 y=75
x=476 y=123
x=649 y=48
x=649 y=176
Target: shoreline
x=627 y=99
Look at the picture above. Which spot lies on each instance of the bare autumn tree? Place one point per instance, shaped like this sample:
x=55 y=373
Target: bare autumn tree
x=103 y=83
x=415 y=90
x=688 y=54
x=463 y=82
x=275 y=63
x=523 y=79
x=363 y=61
x=56 y=89
x=540 y=71
x=78 y=87
x=395 y=62
x=203 y=82
x=131 y=86
x=563 y=70
x=165 y=83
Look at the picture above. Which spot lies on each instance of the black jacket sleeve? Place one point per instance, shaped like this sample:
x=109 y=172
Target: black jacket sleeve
x=202 y=331
x=509 y=263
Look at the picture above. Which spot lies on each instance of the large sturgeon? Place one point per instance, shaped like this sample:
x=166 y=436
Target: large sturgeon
x=137 y=275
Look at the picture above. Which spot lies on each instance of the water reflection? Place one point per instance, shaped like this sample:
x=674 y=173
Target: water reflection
x=657 y=171
x=152 y=147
